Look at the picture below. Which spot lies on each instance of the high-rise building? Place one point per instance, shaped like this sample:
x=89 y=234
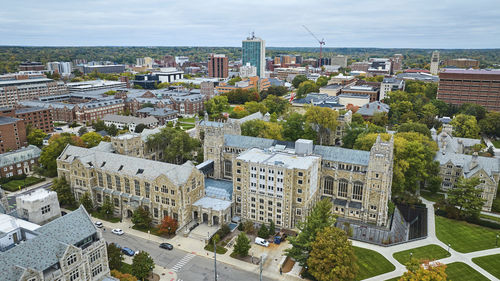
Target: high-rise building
x=339 y=60
x=254 y=52
x=435 y=63
x=218 y=66
x=31 y=66
x=146 y=61
x=248 y=70
x=458 y=86
x=461 y=63
x=397 y=63
x=13 y=91
x=63 y=68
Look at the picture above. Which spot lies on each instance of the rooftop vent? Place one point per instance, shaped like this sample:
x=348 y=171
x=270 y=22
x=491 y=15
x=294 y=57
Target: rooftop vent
x=103 y=163
x=121 y=167
x=140 y=171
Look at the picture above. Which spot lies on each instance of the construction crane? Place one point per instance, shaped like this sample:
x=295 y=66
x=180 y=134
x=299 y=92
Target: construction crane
x=321 y=43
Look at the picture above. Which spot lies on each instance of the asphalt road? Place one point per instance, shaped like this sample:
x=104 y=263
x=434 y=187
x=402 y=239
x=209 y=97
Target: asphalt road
x=188 y=267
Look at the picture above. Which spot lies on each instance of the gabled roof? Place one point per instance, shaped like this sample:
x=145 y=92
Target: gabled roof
x=136 y=167
x=490 y=165
x=20 y=155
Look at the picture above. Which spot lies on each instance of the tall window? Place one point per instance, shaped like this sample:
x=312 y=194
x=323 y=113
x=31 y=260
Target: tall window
x=228 y=169
x=328 y=185
x=108 y=181
x=71 y=259
x=127 y=185
x=342 y=188
x=74 y=275
x=357 y=193
x=137 y=188
x=99 y=176
x=118 y=183
x=147 y=188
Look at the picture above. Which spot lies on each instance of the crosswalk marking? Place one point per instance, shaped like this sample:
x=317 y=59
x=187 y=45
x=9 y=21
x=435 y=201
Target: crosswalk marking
x=182 y=262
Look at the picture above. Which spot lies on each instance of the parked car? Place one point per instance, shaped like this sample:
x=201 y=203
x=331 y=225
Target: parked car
x=261 y=241
x=128 y=251
x=167 y=246
x=98 y=224
x=117 y=231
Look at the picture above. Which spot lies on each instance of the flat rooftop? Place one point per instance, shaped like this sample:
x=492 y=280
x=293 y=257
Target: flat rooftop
x=274 y=158
x=471 y=71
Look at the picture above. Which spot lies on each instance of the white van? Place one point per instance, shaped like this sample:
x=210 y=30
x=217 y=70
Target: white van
x=262 y=242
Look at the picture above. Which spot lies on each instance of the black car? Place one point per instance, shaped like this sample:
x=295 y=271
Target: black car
x=167 y=246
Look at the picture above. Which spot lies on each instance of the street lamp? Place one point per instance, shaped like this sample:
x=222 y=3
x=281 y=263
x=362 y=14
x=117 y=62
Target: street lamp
x=449 y=247
x=496 y=243
x=411 y=254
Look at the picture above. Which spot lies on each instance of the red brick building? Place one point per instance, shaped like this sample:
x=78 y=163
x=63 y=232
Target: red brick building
x=218 y=66
x=12 y=134
x=37 y=117
x=18 y=162
x=458 y=86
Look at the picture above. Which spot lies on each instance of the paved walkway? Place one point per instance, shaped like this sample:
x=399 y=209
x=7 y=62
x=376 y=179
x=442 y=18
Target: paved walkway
x=387 y=252
x=195 y=247
x=490 y=214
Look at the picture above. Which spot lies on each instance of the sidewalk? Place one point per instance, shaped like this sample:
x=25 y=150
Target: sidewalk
x=194 y=246
x=164 y=273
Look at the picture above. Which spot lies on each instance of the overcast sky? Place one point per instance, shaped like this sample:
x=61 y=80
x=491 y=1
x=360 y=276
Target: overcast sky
x=358 y=23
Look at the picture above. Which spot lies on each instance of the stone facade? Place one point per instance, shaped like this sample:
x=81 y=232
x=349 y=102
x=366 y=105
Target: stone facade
x=358 y=182
x=39 y=206
x=128 y=182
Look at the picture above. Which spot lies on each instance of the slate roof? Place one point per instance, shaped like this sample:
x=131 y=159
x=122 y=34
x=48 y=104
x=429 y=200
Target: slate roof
x=330 y=153
x=20 y=155
x=45 y=250
x=136 y=167
x=129 y=119
x=491 y=165
x=371 y=108
x=8 y=120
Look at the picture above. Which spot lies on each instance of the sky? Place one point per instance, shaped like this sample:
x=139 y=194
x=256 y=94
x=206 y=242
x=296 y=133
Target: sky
x=360 y=23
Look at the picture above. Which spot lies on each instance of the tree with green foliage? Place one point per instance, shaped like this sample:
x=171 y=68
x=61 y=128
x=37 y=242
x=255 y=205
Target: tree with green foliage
x=110 y=93
x=107 y=208
x=414 y=127
x=465 y=126
x=275 y=91
x=263 y=232
x=86 y=201
x=147 y=104
x=354 y=131
x=293 y=127
x=322 y=81
x=443 y=109
x=115 y=256
x=82 y=131
x=35 y=137
x=380 y=119
x=253 y=106
x=112 y=130
x=242 y=245
x=323 y=120
x=178 y=147
x=297 y=80
x=139 y=128
x=332 y=256
x=49 y=154
x=428 y=115
x=275 y=104
x=91 y=139
x=262 y=129
x=473 y=109
x=99 y=125
x=272 y=228
x=425 y=271
x=141 y=218
x=142 y=265
x=138 y=87
x=490 y=124
x=63 y=190
x=216 y=105
x=240 y=96
x=233 y=80
x=305 y=88
x=466 y=198
x=414 y=163
x=319 y=218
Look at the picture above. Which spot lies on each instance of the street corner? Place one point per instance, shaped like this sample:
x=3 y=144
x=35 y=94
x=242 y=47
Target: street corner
x=165 y=274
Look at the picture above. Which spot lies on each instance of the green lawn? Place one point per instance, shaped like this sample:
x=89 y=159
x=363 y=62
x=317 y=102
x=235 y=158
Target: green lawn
x=371 y=263
x=490 y=264
x=496 y=143
x=13 y=185
x=465 y=237
x=186 y=120
x=459 y=271
x=434 y=197
x=126 y=268
x=187 y=126
x=427 y=252
x=100 y=216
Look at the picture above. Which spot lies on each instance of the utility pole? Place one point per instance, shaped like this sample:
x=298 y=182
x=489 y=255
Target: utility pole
x=262 y=258
x=215 y=260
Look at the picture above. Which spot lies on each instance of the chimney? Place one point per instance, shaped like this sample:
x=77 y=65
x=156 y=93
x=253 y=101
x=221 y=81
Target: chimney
x=474 y=161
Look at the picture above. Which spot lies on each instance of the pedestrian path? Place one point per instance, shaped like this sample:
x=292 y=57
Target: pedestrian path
x=183 y=262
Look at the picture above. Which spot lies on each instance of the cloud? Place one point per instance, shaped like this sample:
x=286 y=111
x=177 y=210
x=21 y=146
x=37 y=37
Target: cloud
x=362 y=23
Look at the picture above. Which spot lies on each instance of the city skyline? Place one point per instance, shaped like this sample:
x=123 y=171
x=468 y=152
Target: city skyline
x=385 y=24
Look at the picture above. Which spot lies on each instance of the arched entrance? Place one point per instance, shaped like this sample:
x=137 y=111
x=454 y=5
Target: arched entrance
x=129 y=214
x=195 y=215
x=215 y=220
x=205 y=218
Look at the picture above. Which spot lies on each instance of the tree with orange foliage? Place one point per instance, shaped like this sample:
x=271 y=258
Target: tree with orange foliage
x=123 y=276
x=430 y=271
x=168 y=226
